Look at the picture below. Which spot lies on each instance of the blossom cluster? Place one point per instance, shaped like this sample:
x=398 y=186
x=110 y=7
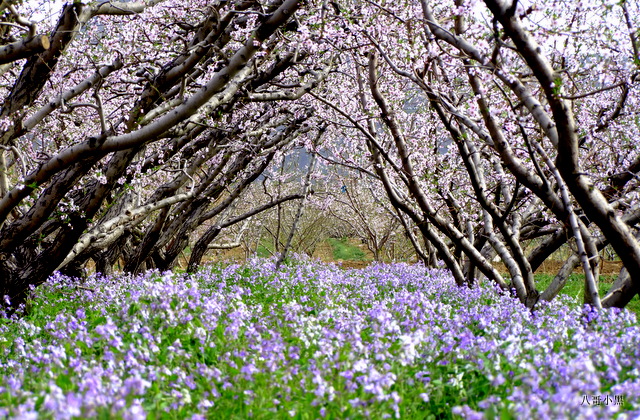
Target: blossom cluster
x=240 y=341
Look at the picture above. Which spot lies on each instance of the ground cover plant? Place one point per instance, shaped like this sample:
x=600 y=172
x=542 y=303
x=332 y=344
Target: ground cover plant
x=574 y=287
x=311 y=341
x=344 y=250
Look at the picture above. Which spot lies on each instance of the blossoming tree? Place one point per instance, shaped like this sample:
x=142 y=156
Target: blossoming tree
x=126 y=125
x=492 y=128
x=493 y=124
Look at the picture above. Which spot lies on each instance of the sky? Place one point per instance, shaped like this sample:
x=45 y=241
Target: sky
x=45 y=10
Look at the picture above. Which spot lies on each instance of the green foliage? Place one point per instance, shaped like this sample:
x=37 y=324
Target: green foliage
x=265 y=249
x=575 y=288
x=557 y=86
x=343 y=250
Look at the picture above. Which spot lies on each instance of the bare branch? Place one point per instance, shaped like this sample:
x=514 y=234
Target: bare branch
x=106 y=230
x=123 y=8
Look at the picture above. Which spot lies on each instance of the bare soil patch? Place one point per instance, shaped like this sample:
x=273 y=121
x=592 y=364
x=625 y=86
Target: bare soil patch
x=324 y=252
x=551 y=267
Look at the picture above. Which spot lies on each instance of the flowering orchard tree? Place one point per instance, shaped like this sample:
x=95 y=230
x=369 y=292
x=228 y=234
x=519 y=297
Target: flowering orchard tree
x=126 y=125
x=366 y=214
x=286 y=227
x=493 y=124
x=129 y=128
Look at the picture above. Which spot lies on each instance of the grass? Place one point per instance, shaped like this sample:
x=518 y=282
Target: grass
x=344 y=250
x=575 y=288
x=265 y=249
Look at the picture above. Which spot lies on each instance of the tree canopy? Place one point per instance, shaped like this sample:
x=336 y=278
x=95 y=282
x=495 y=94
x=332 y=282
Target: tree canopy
x=130 y=131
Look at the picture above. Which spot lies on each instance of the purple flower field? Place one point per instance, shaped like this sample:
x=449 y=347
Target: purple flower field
x=311 y=341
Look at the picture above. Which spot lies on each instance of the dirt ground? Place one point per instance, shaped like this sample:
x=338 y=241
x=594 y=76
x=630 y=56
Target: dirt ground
x=606 y=268
x=324 y=252
x=551 y=267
